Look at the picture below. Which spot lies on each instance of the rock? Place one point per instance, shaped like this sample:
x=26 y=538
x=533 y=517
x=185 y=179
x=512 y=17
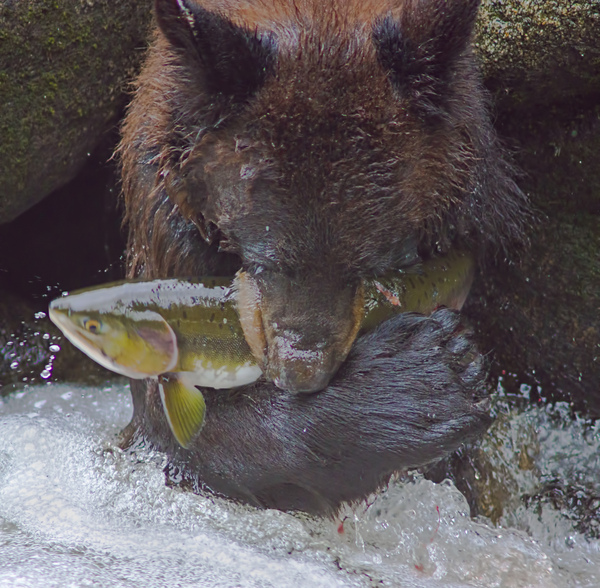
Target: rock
x=69 y=240
x=65 y=69
x=557 y=149
x=539 y=51
x=534 y=466
x=72 y=239
x=540 y=318
x=494 y=473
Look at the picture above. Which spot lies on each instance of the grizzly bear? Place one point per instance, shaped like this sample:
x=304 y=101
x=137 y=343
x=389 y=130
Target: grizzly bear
x=309 y=145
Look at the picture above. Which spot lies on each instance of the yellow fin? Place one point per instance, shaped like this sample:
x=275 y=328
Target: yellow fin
x=184 y=407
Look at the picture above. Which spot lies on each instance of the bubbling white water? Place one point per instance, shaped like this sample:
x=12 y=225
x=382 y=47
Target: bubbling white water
x=77 y=511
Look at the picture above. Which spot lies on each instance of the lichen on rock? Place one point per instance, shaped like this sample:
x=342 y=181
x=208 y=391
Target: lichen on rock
x=539 y=51
x=65 y=69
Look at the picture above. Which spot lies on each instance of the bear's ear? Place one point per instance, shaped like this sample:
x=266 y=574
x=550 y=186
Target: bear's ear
x=421 y=47
x=232 y=60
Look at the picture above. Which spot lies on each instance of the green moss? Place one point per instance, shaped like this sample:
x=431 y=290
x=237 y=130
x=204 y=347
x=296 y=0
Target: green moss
x=68 y=63
x=539 y=51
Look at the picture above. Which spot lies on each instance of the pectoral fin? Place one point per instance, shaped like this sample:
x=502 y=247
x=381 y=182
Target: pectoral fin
x=184 y=406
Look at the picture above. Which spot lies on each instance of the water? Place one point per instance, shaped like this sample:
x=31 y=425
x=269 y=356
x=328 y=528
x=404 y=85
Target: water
x=77 y=511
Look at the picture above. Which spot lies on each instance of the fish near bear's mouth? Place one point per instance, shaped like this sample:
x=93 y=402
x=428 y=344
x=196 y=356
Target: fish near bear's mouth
x=298 y=335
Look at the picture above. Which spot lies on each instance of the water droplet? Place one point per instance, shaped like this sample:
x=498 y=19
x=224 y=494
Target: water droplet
x=46 y=336
x=40 y=315
x=14 y=365
x=45 y=374
x=54 y=348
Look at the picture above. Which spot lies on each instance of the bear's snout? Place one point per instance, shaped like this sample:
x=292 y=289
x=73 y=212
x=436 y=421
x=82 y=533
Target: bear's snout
x=300 y=365
x=299 y=330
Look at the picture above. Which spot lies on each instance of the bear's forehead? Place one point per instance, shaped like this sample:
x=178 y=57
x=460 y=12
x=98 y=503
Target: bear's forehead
x=317 y=91
x=319 y=115
x=267 y=15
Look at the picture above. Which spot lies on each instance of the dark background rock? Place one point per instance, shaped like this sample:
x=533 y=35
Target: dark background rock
x=70 y=240
x=540 y=318
x=64 y=69
x=557 y=150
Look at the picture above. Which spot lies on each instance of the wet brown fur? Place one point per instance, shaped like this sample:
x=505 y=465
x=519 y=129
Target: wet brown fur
x=345 y=144
x=362 y=138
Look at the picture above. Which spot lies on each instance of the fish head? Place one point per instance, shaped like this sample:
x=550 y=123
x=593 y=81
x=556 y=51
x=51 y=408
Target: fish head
x=136 y=344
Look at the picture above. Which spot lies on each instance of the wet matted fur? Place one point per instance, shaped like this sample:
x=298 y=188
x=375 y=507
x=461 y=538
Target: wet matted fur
x=312 y=144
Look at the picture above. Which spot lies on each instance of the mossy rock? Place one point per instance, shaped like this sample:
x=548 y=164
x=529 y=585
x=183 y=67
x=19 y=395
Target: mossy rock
x=65 y=70
x=540 y=51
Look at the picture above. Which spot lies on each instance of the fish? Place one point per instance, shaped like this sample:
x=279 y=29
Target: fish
x=184 y=333
x=443 y=280
x=187 y=333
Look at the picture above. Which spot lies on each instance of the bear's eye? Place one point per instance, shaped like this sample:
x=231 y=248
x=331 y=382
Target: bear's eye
x=241 y=143
x=227 y=246
x=92 y=325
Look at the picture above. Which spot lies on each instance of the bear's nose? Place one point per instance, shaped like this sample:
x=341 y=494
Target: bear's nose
x=293 y=381
x=297 y=366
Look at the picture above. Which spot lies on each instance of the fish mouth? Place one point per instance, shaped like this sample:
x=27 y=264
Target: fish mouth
x=79 y=339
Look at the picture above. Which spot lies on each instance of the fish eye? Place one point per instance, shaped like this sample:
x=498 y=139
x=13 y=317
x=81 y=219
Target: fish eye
x=92 y=325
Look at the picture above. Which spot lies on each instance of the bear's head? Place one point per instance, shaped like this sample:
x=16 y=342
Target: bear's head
x=324 y=143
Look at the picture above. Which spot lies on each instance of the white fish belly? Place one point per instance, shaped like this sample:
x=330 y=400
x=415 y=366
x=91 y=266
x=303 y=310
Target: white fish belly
x=221 y=377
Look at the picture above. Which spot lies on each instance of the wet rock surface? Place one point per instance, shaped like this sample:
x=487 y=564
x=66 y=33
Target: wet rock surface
x=541 y=51
x=65 y=70
x=539 y=317
x=536 y=462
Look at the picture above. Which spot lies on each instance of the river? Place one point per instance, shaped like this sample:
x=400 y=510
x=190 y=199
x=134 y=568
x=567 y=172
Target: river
x=77 y=511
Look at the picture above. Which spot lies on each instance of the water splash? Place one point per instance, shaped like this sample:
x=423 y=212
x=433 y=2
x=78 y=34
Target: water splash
x=77 y=511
